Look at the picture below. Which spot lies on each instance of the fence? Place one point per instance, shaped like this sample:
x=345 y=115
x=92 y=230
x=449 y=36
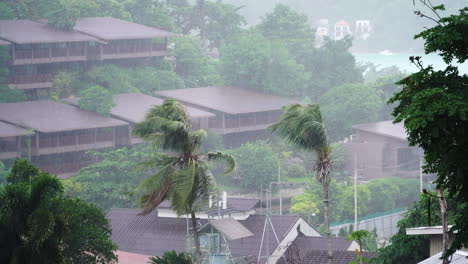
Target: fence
x=385 y=223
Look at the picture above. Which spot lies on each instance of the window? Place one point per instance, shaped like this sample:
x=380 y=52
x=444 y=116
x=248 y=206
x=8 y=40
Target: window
x=408 y=158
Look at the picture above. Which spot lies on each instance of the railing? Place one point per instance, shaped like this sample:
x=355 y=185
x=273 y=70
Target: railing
x=45 y=55
x=25 y=79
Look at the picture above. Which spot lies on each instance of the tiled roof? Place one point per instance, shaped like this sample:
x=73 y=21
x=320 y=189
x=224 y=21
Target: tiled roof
x=301 y=246
x=153 y=235
x=226 y=99
x=50 y=116
x=109 y=28
x=7 y=130
x=133 y=107
x=384 y=128
x=131 y=258
x=339 y=257
x=29 y=32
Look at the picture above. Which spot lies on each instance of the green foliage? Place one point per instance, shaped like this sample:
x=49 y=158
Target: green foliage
x=39 y=223
x=378 y=195
x=296 y=171
x=107 y=182
x=114 y=78
x=222 y=21
x=4 y=172
x=9 y=95
x=64 y=84
x=252 y=61
x=150 y=80
x=64 y=13
x=290 y=28
x=257 y=165
x=6 y=12
x=171 y=257
x=359 y=236
x=151 y=13
x=349 y=104
x=193 y=65
x=434 y=107
x=96 y=99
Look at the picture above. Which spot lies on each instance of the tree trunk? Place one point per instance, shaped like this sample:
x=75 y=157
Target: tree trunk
x=444 y=214
x=196 y=238
x=327 y=221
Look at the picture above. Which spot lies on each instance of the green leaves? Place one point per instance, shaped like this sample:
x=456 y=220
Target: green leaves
x=96 y=99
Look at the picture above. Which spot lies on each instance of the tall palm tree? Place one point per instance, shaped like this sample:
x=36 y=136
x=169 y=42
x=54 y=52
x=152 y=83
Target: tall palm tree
x=303 y=127
x=182 y=176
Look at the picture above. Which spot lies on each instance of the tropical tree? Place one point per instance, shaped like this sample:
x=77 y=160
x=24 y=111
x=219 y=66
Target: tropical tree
x=360 y=236
x=303 y=127
x=171 y=257
x=182 y=177
x=38 y=224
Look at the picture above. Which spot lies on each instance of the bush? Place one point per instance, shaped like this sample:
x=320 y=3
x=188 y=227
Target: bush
x=96 y=99
x=296 y=171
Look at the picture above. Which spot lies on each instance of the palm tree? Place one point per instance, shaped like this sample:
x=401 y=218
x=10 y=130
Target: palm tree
x=182 y=177
x=303 y=127
x=171 y=257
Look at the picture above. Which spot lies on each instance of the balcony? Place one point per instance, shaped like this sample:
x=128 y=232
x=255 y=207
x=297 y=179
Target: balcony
x=48 y=55
x=35 y=81
x=123 y=50
x=74 y=148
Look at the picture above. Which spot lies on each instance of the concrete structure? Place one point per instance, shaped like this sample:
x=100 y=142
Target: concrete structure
x=435 y=233
x=382 y=150
x=12 y=138
x=342 y=29
x=133 y=107
x=241 y=114
x=62 y=133
x=38 y=50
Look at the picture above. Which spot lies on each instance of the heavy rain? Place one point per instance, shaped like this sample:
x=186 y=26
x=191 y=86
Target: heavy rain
x=233 y=131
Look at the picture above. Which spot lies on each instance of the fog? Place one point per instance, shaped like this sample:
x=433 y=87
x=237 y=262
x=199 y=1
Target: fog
x=171 y=108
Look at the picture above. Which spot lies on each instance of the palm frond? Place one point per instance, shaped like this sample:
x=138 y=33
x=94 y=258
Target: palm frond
x=183 y=188
x=301 y=126
x=228 y=159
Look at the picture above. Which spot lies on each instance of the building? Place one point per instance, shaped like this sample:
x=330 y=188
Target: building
x=459 y=257
x=241 y=114
x=12 y=138
x=435 y=241
x=342 y=29
x=133 y=107
x=38 y=50
x=58 y=134
x=381 y=150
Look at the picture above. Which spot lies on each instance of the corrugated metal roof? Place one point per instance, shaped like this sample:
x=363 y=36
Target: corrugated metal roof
x=339 y=257
x=384 y=128
x=50 y=116
x=7 y=130
x=133 y=107
x=4 y=43
x=30 y=32
x=230 y=228
x=227 y=99
x=109 y=28
x=153 y=235
x=234 y=205
x=459 y=257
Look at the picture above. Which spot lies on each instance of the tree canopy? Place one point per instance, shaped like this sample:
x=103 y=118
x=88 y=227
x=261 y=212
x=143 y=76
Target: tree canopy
x=39 y=223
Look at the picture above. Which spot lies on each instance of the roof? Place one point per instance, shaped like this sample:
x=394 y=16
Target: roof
x=109 y=28
x=234 y=205
x=131 y=258
x=230 y=228
x=153 y=235
x=4 y=43
x=133 y=107
x=459 y=257
x=426 y=230
x=30 y=32
x=49 y=116
x=303 y=244
x=384 y=128
x=339 y=257
x=7 y=130
x=228 y=99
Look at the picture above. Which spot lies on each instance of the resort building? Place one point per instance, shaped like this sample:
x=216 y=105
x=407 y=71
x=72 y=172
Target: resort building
x=381 y=150
x=38 y=51
x=62 y=134
x=241 y=114
x=133 y=107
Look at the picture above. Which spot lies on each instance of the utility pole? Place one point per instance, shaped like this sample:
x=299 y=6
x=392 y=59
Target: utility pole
x=420 y=171
x=279 y=185
x=356 y=227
